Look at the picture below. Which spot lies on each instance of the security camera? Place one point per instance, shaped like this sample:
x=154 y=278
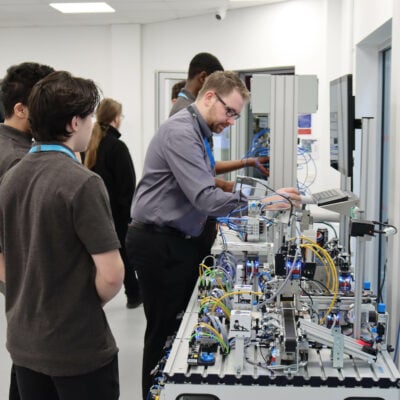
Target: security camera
x=220 y=14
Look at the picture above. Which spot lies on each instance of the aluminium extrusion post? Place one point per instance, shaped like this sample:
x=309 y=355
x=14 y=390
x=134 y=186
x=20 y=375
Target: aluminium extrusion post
x=283 y=125
x=360 y=258
x=283 y=98
x=239 y=355
x=338 y=347
x=359 y=279
x=369 y=189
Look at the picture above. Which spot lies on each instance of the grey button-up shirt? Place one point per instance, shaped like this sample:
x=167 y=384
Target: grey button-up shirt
x=177 y=188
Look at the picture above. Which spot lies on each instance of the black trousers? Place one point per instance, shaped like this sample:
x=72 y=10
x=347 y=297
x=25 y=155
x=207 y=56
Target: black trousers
x=102 y=384
x=131 y=283
x=167 y=268
x=14 y=392
x=205 y=241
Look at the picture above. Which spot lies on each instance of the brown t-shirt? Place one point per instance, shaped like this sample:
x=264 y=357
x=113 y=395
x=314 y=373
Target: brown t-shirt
x=185 y=98
x=14 y=144
x=55 y=213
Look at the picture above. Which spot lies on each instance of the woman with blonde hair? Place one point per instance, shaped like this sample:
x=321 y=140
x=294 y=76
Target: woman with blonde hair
x=109 y=157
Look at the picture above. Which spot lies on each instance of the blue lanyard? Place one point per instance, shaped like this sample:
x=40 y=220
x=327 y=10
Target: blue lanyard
x=181 y=94
x=53 y=147
x=209 y=153
x=205 y=140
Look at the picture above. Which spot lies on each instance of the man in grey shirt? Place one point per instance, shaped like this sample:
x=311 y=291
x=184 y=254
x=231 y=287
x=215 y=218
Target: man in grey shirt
x=15 y=132
x=58 y=273
x=201 y=66
x=171 y=204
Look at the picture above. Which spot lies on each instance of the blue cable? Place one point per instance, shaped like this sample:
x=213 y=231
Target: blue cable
x=259 y=147
x=397 y=343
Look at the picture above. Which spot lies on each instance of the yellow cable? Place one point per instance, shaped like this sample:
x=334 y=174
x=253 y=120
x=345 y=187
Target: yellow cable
x=328 y=258
x=213 y=330
x=202 y=267
x=311 y=245
x=335 y=281
x=209 y=270
x=232 y=294
x=307 y=246
x=208 y=300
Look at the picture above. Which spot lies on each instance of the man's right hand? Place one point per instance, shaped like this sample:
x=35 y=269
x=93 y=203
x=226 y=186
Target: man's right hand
x=280 y=201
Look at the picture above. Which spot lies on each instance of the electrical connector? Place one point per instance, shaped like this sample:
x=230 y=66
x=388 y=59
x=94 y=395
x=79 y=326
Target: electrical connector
x=361 y=228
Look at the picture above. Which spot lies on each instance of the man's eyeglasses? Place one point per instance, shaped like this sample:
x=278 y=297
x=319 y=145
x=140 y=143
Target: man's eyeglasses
x=230 y=112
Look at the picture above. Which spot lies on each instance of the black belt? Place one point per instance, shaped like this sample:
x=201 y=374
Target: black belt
x=165 y=230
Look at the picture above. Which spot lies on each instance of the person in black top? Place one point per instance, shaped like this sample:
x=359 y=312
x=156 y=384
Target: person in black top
x=109 y=157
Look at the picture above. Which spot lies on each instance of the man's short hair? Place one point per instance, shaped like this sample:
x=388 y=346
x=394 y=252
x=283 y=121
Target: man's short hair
x=18 y=82
x=55 y=100
x=204 y=62
x=224 y=82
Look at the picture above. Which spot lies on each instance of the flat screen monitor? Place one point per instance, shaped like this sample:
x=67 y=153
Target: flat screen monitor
x=342 y=125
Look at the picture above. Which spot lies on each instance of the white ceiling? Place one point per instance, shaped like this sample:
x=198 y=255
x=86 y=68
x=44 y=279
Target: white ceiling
x=18 y=13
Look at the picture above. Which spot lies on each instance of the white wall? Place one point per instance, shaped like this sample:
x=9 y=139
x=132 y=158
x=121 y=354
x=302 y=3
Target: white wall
x=316 y=36
x=369 y=15
x=123 y=58
x=284 y=34
x=110 y=55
